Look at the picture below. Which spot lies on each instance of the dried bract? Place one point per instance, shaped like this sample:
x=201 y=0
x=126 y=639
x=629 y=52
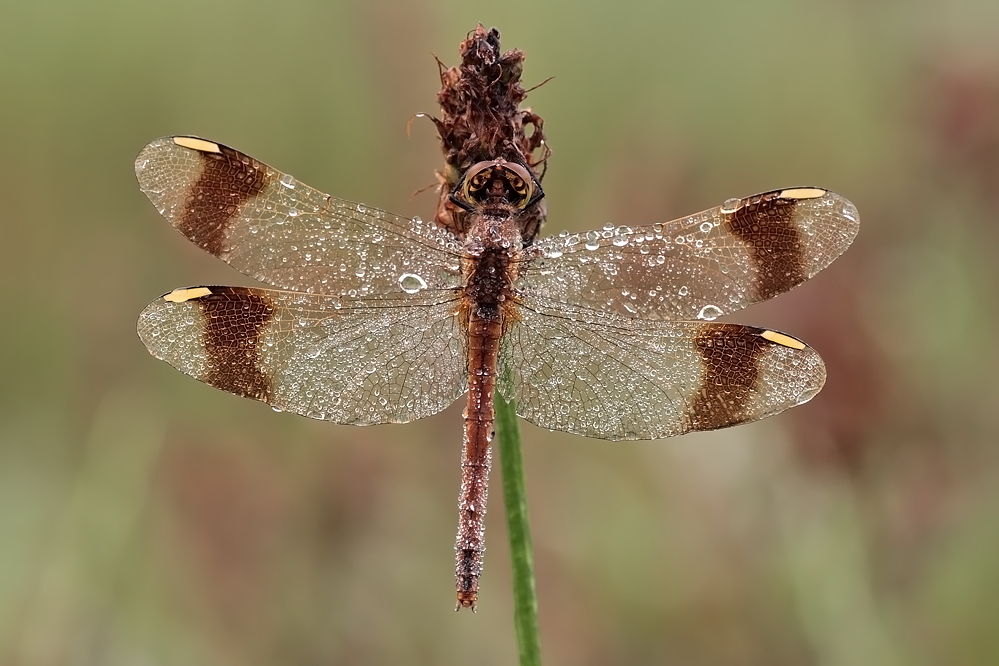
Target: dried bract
x=481 y=120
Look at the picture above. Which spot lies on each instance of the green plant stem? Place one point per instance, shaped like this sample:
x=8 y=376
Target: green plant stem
x=525 y=599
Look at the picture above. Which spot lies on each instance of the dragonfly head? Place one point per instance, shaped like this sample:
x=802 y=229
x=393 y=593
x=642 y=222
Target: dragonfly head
x=497 y=182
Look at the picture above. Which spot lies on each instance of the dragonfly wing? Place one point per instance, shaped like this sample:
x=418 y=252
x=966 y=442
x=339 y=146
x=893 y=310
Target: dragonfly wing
x=273 y=228
x=353 y=361
x=605 y=376
x=697 y=267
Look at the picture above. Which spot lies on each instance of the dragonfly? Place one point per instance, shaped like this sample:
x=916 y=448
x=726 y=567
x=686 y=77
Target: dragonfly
x=378 y=318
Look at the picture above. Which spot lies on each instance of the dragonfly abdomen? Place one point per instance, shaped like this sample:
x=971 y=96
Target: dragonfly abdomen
x=476 y=456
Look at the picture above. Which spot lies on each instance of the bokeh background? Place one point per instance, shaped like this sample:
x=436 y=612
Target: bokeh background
x=148 y=519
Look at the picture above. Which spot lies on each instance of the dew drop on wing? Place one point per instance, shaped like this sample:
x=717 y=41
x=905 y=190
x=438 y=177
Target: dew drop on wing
x=808 y=394
x=709 y=312
x=730 y=206
x=848 y=210
x=288 y=181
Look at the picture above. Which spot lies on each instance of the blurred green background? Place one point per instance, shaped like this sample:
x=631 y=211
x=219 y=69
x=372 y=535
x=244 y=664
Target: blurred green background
x=148 y=519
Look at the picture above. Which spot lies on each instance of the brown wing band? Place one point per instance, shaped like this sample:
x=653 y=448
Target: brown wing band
x=729 y=354
x=228 y=180
x=235 y=317
x=766 y=225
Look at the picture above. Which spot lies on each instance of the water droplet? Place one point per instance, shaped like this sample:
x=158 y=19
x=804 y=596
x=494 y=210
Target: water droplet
x=592 y=240
x=277 y=409
x=808 y=394
x=684 y=290
x=709 y=312
x=730 y=206
x=706 y=227
x=288 y=181
x=361 y=208
x=293 y=212
x=411 y=283
x=849 y=211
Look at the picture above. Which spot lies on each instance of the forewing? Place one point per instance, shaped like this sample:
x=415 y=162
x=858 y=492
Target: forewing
x=355 y=361
x=611 y=377
x=702 y=266
x=273 y=228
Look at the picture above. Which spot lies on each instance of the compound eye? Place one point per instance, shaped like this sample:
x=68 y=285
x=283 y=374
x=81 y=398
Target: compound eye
x=476 y=180
x=479 y=181
x=519 y=186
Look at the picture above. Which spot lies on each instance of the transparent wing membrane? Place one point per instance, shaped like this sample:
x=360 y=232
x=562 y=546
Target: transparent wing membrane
x=288 y=234
x=610 y=377
x=693 y=267
x=352 y=361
